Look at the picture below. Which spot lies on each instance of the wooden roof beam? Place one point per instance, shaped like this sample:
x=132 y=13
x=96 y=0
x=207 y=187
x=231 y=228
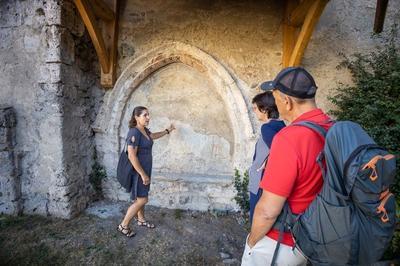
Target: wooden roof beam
x=304 y=37
x=298 y=15
x=90 y=22
x=380 y=13
x=102 y=10
x=106 y=48
x=108 y=79
x=289 y=33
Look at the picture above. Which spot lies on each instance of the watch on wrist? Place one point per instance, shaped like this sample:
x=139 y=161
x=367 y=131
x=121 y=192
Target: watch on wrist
x=167 y=130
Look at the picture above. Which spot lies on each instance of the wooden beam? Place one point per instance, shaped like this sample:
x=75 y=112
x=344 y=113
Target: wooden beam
x=102 y=10
x=94 y=32
x=380 y=13
x=298 y=15
x=304 y=37
x=289 y=33
x=108 y=79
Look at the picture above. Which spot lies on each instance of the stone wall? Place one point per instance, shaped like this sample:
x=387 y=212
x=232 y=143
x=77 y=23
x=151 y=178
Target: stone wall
x=246 y=36
x=47 y=76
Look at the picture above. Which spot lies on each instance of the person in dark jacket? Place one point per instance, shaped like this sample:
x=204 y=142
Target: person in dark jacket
x=140 y=143
x=267 y=113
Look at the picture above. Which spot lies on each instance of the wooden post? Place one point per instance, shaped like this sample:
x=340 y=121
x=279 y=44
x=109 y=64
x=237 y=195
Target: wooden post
x=107 y=80
x=380 y=13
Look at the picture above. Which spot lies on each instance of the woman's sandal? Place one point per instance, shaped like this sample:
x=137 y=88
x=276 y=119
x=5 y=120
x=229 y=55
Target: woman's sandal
x=125 y=231
x=146 y=223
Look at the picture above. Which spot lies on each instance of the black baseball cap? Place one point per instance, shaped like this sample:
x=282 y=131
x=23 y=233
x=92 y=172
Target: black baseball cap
x=293 y=81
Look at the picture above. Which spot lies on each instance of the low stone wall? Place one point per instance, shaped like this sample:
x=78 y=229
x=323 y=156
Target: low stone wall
x=10 y=186
x=179 y=191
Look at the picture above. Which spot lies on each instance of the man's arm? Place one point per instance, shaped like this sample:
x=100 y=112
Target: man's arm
x=266 y=212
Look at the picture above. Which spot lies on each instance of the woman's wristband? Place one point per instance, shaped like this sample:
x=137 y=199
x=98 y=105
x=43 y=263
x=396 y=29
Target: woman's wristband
x=167 y=130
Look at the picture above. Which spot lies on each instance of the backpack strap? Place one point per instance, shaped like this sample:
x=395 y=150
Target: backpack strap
x=283 y=224
x=313 y=126
x=286 y=219
x=125 y=146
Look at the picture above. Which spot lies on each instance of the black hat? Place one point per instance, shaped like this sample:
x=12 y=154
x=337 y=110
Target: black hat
x=293 y=81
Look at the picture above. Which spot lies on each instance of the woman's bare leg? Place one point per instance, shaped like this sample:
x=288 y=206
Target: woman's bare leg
x=133 y=210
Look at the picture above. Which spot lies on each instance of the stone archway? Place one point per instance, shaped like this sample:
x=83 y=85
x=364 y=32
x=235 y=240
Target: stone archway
x=197 y=190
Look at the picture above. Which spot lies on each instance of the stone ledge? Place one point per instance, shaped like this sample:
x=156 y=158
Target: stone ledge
x=190 y=177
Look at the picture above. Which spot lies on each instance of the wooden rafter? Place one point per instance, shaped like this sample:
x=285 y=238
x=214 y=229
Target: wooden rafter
x=298 y=15
x=108 y=79
x=289 y=33
x=102 y=10
x=106 y=48
x=380 y=13
x=306 y=14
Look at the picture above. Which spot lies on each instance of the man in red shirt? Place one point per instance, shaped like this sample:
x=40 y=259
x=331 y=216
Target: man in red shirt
x=292 y=173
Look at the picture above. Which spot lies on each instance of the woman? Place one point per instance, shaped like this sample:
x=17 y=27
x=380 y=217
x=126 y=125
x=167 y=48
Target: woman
x=267 y=113
x=140 y=143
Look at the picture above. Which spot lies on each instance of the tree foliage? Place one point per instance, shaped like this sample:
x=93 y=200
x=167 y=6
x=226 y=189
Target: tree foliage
x=373 y=101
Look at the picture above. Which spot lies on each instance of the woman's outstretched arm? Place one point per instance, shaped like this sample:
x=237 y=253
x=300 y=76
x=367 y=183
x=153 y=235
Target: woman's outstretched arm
x=160 y=134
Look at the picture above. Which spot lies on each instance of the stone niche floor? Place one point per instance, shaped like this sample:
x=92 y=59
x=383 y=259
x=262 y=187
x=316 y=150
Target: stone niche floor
x=180 y=238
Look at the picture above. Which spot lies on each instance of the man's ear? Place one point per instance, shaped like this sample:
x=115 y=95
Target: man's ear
x=288 y=103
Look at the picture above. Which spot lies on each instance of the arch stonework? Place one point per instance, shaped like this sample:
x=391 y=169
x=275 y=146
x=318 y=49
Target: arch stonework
x=109 y=120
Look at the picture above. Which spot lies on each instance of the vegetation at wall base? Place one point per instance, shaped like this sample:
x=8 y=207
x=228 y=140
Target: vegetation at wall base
x=374 y=102
x=242 y=197
x=97 y=176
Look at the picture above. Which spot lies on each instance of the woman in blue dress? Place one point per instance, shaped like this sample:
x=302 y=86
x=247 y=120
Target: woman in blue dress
x=267 y=113
x=140 y=143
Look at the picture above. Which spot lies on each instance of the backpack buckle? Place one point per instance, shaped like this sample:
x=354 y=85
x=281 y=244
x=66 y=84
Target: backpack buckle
x=381 y=208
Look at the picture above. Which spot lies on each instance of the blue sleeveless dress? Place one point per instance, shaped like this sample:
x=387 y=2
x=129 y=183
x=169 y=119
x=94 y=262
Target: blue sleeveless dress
x=145 y=157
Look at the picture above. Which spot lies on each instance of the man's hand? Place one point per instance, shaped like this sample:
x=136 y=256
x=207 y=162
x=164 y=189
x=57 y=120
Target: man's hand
x=251 y=242
x=268 y=208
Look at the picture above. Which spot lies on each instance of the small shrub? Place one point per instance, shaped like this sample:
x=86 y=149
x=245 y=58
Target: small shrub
x=374 y=102
x=242 y=197
x=97 y=176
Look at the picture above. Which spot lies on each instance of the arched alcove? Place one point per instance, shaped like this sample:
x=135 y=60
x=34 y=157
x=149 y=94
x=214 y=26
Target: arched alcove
x=181 y=84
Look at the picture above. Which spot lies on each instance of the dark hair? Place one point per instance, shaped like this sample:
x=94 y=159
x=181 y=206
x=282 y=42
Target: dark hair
x=137 y=111
x=266 y=103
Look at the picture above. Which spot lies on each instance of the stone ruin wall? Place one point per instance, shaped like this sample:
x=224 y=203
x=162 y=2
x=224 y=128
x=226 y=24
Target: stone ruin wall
x=50 y=76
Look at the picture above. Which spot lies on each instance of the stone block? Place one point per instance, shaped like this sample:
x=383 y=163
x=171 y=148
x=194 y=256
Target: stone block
x=6 y=38
x=72 y=19
x=53 y=12
x=7 y=117
x=61 y=46
x=7 y=166
x=50 y=73
x=10 y=14
x=7 y=138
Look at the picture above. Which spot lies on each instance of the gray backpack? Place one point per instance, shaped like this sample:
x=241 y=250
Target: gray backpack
x=352 y=219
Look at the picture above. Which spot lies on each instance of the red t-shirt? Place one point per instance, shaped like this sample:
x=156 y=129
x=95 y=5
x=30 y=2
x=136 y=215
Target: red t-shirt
x=292 y=170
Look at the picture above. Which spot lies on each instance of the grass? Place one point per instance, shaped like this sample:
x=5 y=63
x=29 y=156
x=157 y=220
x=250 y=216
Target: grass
x=178 y=214
x=90 y=240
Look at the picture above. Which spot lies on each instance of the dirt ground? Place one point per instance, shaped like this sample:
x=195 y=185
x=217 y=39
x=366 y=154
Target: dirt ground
x=180 y=238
